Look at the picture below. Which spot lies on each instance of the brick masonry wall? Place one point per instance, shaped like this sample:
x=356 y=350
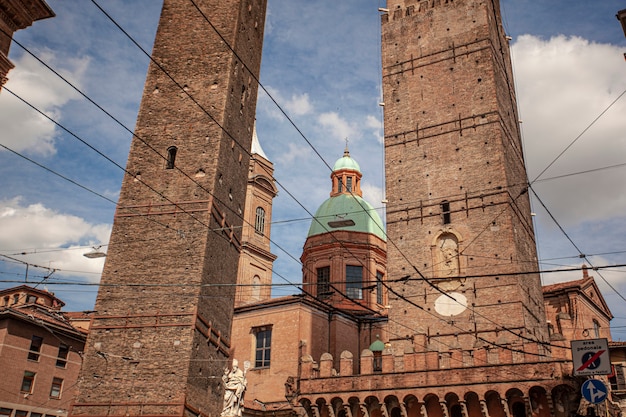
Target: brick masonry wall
x=15 y=340
x=163 y=319
x=451 y=135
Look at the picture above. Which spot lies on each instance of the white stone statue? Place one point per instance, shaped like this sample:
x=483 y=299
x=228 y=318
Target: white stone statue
x=235 y=386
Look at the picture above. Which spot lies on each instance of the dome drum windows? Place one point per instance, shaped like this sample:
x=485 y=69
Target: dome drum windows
x=323 y=282
x=354 y=282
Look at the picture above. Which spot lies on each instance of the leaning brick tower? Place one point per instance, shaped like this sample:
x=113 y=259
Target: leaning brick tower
x=461 y=242
x=159 y=341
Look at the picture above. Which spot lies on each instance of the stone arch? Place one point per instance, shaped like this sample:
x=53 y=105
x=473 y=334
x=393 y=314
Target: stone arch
x=413 y=406
x=304 y=404
x=393 y=406
x=446 y=255
x=516 y=403
x=337 y=406
x=322 y=407
x=494 y=404
x=472 y=404
x=453 y=405
x=539 y=405
x=433 y=406
x=355 y=407
x=565 y=400
x=373 y=407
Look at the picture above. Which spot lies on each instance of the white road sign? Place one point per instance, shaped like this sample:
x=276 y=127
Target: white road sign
x=591 y=357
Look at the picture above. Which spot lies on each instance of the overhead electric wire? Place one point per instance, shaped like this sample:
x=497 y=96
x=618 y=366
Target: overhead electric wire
x=581 y=253
x=579 y=136
x=220 y=126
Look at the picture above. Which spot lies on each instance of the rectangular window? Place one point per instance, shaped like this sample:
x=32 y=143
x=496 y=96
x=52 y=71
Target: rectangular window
x=5 y=412
x=55 y=389
x=64 y=350
x=354 y=282
x=340 y=185
x=379 y=287
x=21 y=413
x=323 y=282
x=445 y=212
x=31 y=299
x=349 y=184
x=28 y=382
x=263 y=347
x=35 y=348
x=259 y=222
x=35 y=414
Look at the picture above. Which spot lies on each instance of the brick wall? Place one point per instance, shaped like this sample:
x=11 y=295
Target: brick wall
x=163 y=316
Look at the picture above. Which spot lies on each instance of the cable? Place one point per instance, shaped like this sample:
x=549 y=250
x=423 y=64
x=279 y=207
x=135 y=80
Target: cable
x=309 y=213
x=579 y=136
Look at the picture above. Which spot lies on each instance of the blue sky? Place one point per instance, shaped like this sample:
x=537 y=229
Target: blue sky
x=321 y=63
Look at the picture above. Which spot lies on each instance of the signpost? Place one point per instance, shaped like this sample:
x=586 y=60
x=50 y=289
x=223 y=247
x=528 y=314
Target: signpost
x=594 y=391
x=591 y=357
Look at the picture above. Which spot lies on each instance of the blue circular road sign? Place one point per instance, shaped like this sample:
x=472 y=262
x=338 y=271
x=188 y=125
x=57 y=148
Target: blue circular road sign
x=594 y=391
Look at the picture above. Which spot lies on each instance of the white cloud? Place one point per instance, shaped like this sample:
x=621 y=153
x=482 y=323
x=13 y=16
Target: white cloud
x=376 y=126
x=338 y=127
x=297 y=105
x=24 y=129
x=50 y=239
x=372 y=194
x=564 y=84
x=294 y=153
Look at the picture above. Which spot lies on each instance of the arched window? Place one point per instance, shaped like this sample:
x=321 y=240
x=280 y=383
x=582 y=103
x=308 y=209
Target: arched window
x=171 y=157
x=259 y=222
x=256 y=288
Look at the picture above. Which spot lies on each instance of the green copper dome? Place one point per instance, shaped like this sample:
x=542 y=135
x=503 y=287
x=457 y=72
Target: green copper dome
x=377 y=346
x=346 y=212
x=345 y=162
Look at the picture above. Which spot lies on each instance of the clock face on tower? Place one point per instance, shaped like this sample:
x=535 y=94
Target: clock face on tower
x=451 y=304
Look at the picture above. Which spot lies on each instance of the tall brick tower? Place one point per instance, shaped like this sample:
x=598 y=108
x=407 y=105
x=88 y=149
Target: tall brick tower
x=256 y=260
x=160 y=339
x=458 y=218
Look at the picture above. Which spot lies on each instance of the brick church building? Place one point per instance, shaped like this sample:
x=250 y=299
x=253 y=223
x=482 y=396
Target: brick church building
x=440 y=315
